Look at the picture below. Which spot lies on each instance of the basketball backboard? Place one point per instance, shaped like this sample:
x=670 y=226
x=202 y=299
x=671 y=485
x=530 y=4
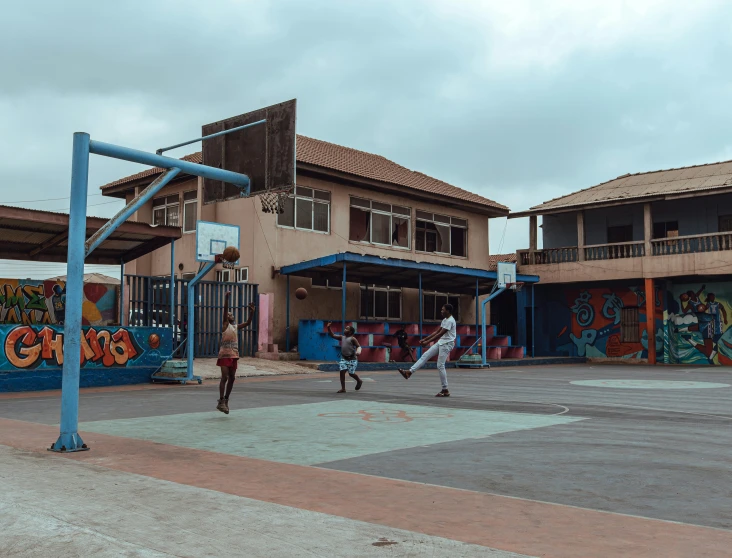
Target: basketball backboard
x=213 y=238
x=265 y=153
x=506 y=273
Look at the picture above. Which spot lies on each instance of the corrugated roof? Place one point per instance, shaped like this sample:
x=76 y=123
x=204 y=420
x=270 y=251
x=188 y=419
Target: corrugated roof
x=354 y=162
x=654 y=184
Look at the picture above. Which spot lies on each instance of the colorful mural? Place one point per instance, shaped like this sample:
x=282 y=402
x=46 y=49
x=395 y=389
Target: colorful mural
x=698 y=324
x=44 y=302
x=595 y=323
x=32 y=356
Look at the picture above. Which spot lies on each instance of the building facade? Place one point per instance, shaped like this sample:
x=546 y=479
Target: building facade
x=636 y=268
x=345 y=201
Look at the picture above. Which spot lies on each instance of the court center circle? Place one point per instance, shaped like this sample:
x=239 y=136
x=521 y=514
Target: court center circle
x=648 y=384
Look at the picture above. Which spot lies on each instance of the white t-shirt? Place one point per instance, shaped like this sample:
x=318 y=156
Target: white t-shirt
x=451 y=333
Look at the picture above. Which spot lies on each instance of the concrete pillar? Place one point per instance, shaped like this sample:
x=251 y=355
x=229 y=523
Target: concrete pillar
x=651 y=320
x=647 y=229
x=581 y=236
x=533 y=232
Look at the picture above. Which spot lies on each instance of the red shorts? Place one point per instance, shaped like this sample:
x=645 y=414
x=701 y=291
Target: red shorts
x=230 y=363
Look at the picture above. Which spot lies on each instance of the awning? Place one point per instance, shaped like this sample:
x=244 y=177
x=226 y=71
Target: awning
x=41 y=236
x=398 y=273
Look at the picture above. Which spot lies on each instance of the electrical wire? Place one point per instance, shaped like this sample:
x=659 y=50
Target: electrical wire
x=48 y=199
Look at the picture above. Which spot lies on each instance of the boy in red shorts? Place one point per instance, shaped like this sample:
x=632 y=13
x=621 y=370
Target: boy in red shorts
x=229 y=352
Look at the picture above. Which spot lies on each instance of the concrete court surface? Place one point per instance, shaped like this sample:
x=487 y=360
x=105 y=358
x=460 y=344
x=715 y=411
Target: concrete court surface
x=543 y=461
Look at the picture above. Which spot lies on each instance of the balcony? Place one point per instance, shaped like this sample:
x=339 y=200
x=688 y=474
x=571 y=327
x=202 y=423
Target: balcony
x=695 y=244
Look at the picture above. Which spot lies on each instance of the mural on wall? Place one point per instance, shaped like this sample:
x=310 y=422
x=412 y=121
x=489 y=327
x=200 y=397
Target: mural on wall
x=595 y=323
x=29 y=347
x=44 y=302
x=698 y=325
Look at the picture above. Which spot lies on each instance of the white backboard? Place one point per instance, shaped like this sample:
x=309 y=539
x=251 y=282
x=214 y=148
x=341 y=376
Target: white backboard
x=506 y=273
x=213 y=238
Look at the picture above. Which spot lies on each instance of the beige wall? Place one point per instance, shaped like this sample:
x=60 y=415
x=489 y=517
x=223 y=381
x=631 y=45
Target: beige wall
x=265 y=246
x=653 y=267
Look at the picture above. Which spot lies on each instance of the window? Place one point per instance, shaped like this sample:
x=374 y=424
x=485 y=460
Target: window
x=242 y=274
x=622 y=233
x=323 y=283
x=441 y=234
x=629 y=326
x=379 y=223
x=725 y=223
x=381 y=303
x=187 y=276
x=432 y=304
x=307 y=210
x=667 y=229
x=165 y=211
x=190 y=208
x=224 y=275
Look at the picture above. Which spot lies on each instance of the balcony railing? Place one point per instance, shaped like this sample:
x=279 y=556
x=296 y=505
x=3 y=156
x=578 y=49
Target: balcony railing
x=616 y=251
x=713 y=242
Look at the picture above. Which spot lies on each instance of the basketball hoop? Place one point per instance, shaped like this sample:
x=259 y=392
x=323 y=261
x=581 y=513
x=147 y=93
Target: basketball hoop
x=224 y=263
x=274 y=201
x=515 y=287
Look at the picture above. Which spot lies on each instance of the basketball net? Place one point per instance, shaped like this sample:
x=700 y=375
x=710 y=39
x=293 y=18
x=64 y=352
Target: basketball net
x=274 y=201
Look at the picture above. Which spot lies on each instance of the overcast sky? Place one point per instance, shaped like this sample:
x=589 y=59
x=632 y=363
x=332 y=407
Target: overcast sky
x=520 y=101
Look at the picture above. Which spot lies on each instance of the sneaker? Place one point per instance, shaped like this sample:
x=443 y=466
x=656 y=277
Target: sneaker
x=359 y=384
x=222 y=406
x=226 y=406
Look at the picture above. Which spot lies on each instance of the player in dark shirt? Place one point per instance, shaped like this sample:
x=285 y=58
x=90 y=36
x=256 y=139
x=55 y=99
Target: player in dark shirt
x=401 y=337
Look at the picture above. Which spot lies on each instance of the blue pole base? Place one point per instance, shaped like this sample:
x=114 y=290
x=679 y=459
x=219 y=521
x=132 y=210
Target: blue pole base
x=69 y=442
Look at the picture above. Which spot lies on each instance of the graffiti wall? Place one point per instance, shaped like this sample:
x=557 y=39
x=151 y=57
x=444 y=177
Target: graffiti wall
x=32 y=356
x=44 y=302
x=606 y=323
x=697 y=323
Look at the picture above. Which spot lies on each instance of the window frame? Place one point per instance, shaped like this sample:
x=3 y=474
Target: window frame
x=391 y=214
x=447 y=296
x=295 y=196
x=328 y=286
x=165 y=206
x=186 y=203
x=446 y=221
x=380 y=288
x=238 y=272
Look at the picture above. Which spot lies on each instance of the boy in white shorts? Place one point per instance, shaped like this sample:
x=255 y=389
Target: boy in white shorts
x=445 y=337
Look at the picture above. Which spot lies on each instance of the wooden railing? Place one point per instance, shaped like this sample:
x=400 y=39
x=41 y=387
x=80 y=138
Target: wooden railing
x=713 y=242
x=615 y=251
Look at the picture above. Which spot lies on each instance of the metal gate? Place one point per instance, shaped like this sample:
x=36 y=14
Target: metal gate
x=150 y=307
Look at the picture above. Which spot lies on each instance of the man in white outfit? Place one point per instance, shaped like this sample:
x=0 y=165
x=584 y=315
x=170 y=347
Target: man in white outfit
x=445 y=337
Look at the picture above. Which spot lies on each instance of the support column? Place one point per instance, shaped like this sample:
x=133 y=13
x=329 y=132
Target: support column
x=287 y=319
x=122 y=293
x=69 y=439
x=343 y=301
x=651 y=320
x=647 y=229
x=580 y=236
x=172 y=286
x=477 y=309
x=421 y=309
x=533 y=328
x=533 y=235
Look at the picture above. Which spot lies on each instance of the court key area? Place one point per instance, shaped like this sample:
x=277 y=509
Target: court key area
x=555 y=461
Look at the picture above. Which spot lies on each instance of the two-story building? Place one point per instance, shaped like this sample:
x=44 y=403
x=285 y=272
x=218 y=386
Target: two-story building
x=606 y=248
x=346 y=202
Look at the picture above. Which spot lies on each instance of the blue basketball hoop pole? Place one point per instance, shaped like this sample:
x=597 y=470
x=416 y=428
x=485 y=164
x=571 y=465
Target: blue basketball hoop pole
x=79 y=248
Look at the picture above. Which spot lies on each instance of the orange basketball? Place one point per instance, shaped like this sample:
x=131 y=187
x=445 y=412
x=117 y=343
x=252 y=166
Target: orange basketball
x=153 y=340
x=230 y=254
x=301 y=293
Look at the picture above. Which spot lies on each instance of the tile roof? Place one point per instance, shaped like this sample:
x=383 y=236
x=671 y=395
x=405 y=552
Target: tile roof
x=661 y=183
x=495 y=258
x=357 y=163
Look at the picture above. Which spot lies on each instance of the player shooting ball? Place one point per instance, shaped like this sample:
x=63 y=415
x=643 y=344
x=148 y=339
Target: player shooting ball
x=229 y=352
x=350 y=349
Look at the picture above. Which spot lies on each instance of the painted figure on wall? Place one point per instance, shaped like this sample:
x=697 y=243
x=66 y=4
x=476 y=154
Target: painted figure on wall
x=696 y=330
x=59 y=303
